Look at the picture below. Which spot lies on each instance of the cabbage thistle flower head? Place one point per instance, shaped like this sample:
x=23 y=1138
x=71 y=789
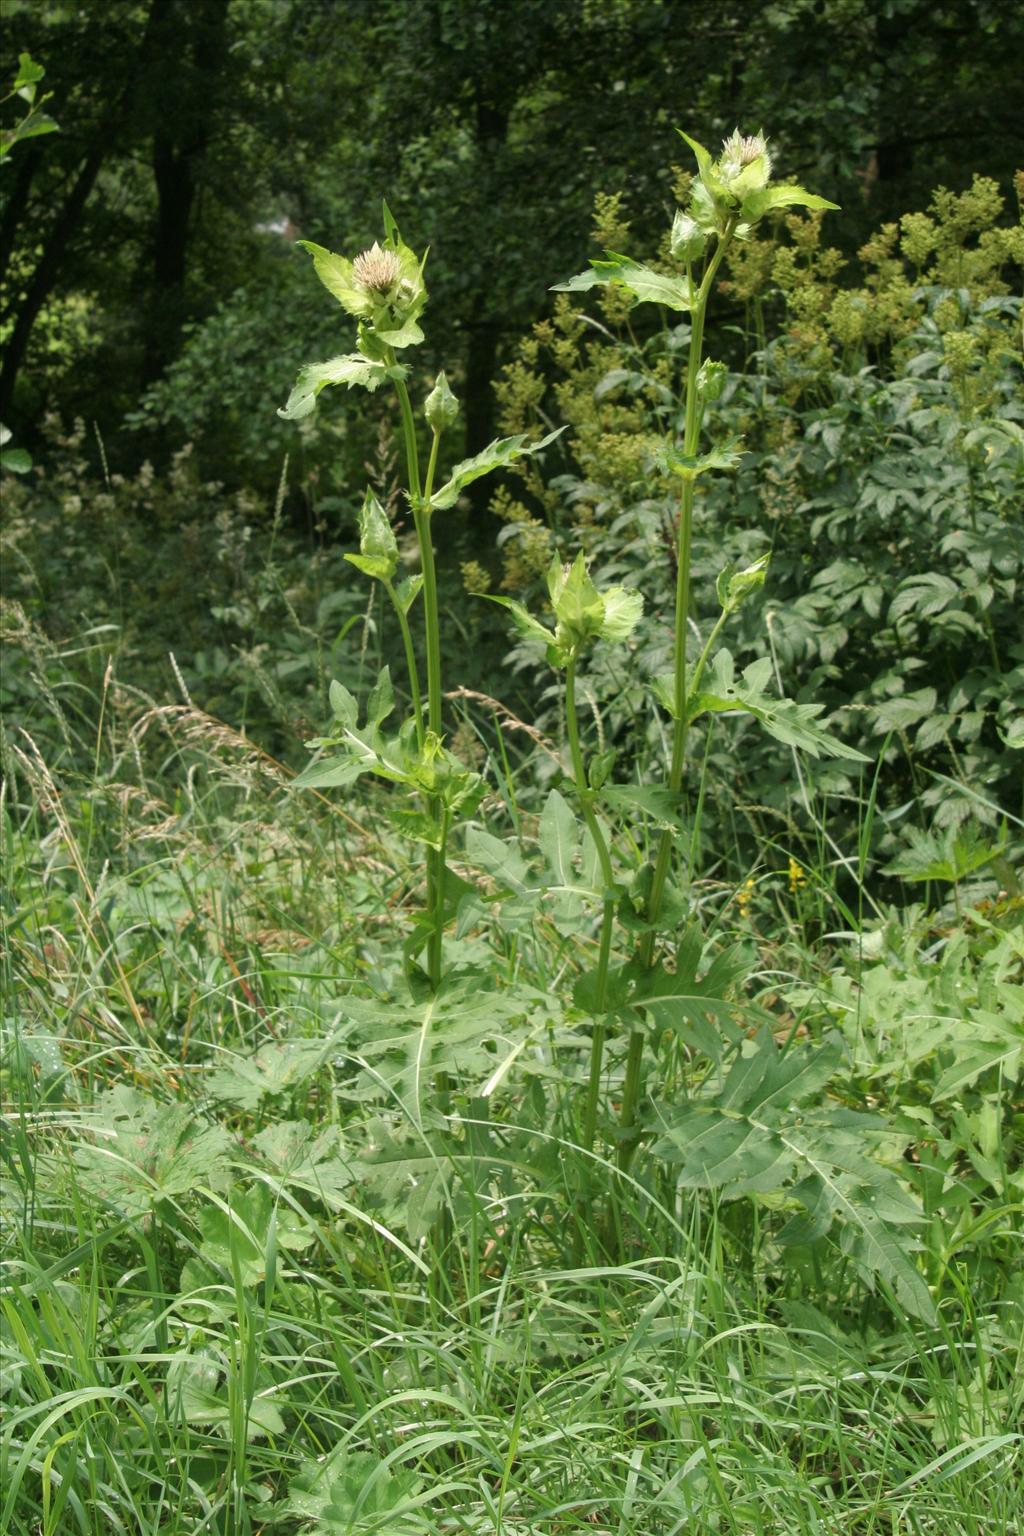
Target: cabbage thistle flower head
x=745 y=164
x=376 y=270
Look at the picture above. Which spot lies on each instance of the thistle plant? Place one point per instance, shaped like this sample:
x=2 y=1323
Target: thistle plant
x=730 y=195
x=384 y=290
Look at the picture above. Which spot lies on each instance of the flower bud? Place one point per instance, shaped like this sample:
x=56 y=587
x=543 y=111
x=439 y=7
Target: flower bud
x=687 y=240
x=711 y=381
x=441 y=407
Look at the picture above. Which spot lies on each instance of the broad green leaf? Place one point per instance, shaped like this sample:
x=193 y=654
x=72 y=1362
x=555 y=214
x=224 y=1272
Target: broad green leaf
x=795 y=725
x=497 y=455
x=558 y=836
x=238 y=1235
x=441 y=408
x=18 y=461
x=407 y=592
x=352 y=370
x=950 y=857
x=501 y=860
x=29 y=72
x=335 y=272
x=768 y=1130
x=734 y=587
x=278 y=1067
x=140 y=1152
x=351 y=1492
x=646 y=285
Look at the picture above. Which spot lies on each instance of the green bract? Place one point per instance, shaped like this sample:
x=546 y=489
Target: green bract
x=378 y=547
x=441 y=407
x=582 y=612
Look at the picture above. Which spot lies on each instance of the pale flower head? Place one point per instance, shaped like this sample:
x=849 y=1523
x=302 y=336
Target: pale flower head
x=745 y=164
x=376 y=270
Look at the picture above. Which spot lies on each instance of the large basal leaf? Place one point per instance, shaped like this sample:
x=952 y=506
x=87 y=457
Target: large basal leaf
x=497 y=455
x=768 y=1130
x=139 y=1152
x=350 y=1493
x=276 y=1068
x=694 y=1006
x=796 y=725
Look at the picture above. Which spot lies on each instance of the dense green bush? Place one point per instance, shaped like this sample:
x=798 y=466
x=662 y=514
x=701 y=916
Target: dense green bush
x=883 y=468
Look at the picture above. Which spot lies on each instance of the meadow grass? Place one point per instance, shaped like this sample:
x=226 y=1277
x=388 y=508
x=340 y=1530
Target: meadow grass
x=218 y=1317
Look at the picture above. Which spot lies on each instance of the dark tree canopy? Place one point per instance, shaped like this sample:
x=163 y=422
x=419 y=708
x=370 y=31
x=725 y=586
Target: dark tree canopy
x=191 y=129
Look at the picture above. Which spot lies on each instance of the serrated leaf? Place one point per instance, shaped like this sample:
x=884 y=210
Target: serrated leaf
x=622 y=613
x=690 y=465
x=646 y=285
x=497 y=455
x=768 y=1129
x=278 y=1067
x=756 y=204
x=235 y=1237
x=351 y=369
x=795 y=725
x=524 y=621
x=141 y=1152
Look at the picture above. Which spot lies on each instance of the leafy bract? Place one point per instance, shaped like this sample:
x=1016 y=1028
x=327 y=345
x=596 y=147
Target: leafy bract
x=378 y=547
x=756 y=204
x=352 y=369
x=496 y=455
x=796 y=725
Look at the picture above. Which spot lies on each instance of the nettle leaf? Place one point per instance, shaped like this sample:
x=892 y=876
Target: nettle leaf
x=795 y=725
x=140 y=1152
x=767 y=1130
x=497 y=455
x=352 y=369
x=646 y=285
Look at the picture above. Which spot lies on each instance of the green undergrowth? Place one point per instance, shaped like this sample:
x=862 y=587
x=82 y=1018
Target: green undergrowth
x=250 y=1286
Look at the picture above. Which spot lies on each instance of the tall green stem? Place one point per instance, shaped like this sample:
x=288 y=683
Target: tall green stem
x=663 y=863
x=432 y=628
x=585 y=795
x=410 y=663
